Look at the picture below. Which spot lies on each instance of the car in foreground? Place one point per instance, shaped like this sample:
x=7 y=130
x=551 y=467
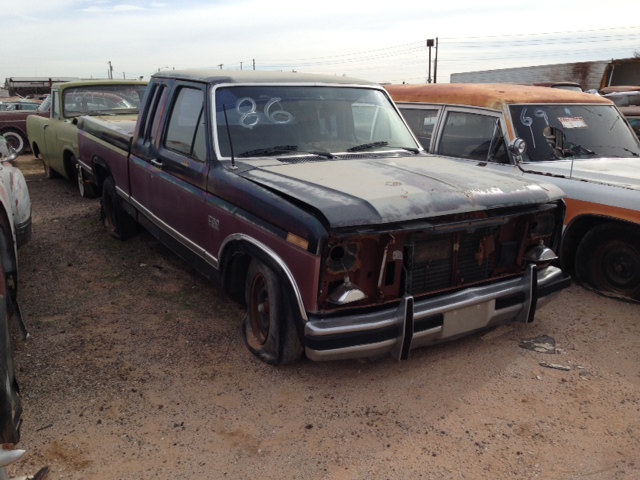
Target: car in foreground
x=13 y=196
x=577 y=141
x=54 y=138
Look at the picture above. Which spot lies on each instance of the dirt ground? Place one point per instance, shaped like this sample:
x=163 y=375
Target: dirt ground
x=136 y=369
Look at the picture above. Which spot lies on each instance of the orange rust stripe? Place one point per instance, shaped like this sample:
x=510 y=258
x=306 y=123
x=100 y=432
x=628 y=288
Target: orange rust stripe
x=577 y=208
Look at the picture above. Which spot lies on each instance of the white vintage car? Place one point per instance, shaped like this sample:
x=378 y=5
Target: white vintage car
x=15 y=231
x=577 y=141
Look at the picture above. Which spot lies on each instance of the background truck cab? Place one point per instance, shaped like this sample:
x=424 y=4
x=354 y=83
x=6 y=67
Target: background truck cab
x=55 y=138
x=577 y=141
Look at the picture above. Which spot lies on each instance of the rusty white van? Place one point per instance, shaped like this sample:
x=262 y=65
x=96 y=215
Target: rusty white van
x=578 y=141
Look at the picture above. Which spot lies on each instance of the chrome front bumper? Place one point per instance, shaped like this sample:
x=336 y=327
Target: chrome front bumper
x=414 y=323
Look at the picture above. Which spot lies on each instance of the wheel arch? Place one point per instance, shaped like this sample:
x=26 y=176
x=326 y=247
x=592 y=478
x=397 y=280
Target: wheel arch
x=236 y=255
x=35 y=149
x=577 y=229
x=67 y=161
x=101 y=170
x=8 y=254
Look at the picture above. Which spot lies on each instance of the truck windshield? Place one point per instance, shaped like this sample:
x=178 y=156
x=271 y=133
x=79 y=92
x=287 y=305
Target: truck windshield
x=264 y=120
x=102 y=99
x=555 y=132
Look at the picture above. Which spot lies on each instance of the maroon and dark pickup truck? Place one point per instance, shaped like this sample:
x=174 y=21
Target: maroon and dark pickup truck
x=309 y=200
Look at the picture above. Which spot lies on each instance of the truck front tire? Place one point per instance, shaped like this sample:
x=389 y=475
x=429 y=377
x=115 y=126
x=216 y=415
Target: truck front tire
x=268 y=328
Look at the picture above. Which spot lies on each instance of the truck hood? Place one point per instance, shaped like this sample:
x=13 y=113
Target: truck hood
x=371 y=191
x=622 y=172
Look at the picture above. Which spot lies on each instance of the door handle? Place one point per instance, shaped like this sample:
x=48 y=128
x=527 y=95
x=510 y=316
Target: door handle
x=156 y=163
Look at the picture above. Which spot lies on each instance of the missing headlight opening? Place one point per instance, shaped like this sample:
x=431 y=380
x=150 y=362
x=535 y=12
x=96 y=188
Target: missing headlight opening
x=343 y=257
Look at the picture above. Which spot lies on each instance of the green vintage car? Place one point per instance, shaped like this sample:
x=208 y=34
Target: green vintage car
x=54 y=139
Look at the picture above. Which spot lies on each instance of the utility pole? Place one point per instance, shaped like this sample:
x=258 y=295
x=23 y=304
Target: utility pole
x=220 y=65
x=240 y=65
x=435 y=63
x=429 y=45
x=110 y=72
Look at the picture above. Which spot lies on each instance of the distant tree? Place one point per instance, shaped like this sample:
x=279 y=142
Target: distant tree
x=636 y=54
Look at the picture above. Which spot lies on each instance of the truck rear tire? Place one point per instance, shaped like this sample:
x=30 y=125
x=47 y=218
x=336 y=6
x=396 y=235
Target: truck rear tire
x=117 y=222
x=268 y=328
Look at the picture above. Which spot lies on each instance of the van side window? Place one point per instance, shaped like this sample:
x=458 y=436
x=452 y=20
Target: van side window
x=421 y=122
x=185 y=134
x=473 y=136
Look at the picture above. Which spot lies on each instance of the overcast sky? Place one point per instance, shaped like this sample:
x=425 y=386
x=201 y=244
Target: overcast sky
x=379 y=41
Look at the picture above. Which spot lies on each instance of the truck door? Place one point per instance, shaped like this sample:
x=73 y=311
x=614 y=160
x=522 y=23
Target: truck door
x=49 y=134
x=176 y=175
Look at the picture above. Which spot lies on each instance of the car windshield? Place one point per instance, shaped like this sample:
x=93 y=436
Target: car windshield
x=45 y=105
x=102 y=99
x=573 y=131
x=267 y=120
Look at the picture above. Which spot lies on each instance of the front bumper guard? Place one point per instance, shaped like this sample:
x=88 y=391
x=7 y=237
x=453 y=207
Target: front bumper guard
x=414 y=323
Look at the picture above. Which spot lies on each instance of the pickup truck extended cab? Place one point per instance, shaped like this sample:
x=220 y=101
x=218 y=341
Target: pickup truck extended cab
x=308 y=199
x=577 y=141
x=55 y=138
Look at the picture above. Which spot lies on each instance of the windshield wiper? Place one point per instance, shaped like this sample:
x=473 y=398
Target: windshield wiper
x=280 y=149
x=630 y=151
x=261 y=152
x=577 y=149
x=94 y=113
x=367 y=146
x=320 y=153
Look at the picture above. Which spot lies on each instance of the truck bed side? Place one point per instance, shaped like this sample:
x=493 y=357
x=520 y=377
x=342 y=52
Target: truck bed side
x=104 y=147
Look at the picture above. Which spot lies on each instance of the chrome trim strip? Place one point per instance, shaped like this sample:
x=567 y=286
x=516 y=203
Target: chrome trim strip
x=195 y=248
x=464 y=312
x=213 y=261
x=275 y=258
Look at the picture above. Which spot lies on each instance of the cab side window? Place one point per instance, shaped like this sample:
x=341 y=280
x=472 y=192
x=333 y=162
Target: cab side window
x=55 y=105
x=473 y=136
x=421 y=122
x=186 y=132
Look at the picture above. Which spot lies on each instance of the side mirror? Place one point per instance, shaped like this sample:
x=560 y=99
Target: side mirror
x=7 y=152
x=517 y=147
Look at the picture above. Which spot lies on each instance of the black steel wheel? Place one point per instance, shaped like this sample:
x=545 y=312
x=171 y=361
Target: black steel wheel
x=268 y=328
x=608 y=259
x=118 y=223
